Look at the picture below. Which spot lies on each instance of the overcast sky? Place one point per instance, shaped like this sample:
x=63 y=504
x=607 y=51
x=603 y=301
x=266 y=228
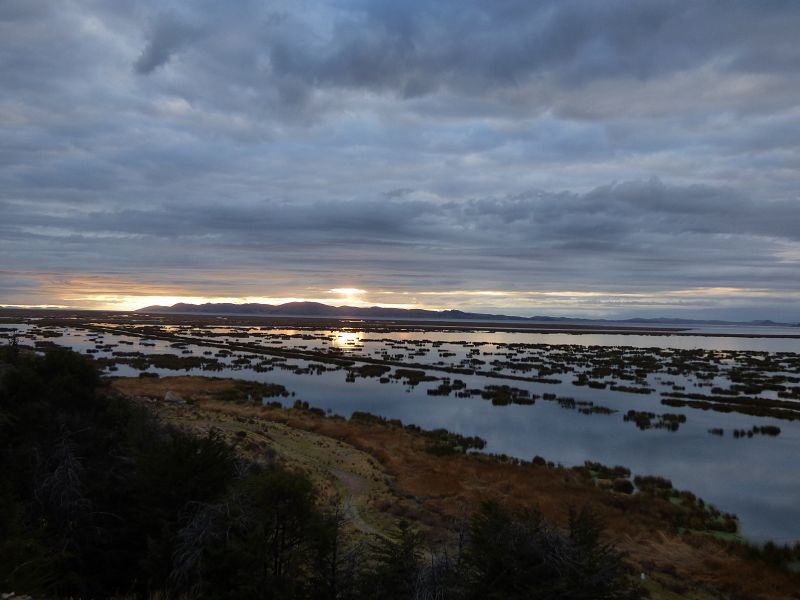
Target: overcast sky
x=613 y=158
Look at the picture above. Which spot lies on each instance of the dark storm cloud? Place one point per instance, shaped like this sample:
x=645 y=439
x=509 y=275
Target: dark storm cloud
x=416 y=48
x=628 y=227
x=459 y=144
x=168 y=35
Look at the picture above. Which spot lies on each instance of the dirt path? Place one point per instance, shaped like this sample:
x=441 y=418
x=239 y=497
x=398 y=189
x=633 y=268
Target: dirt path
x=354 y=500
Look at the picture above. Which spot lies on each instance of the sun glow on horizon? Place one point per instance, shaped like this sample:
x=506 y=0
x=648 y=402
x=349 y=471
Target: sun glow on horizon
x=129 y=302
x=125 y=294
x=350 y=295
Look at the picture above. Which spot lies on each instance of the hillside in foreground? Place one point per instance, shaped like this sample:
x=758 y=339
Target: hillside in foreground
x=389 y=472
x=118 y=492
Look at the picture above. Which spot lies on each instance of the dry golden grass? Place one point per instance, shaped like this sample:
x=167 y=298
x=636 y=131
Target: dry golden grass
x=187 y=387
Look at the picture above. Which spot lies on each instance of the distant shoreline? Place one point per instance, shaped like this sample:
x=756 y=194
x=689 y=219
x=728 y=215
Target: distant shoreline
x=503 y=326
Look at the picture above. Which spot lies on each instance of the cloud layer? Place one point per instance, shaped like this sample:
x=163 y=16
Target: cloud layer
x=632 y=158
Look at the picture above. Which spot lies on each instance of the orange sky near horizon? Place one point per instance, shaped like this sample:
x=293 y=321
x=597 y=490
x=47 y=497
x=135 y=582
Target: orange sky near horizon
x=113 y=292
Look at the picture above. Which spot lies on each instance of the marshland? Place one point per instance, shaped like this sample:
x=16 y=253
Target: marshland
x=715 y=414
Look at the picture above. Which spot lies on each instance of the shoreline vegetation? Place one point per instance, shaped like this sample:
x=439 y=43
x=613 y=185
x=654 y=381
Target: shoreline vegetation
x=750 y=374
x=374 y=505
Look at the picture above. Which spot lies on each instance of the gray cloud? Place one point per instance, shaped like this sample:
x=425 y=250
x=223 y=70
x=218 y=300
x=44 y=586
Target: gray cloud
x=406 y=145
x=168 y=35
x=659 y=230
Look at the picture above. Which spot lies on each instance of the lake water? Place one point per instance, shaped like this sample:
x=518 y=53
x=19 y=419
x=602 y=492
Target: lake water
x=756 y=478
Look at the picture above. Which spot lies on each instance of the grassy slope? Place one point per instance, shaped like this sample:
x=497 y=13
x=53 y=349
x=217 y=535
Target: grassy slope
x=384 y=473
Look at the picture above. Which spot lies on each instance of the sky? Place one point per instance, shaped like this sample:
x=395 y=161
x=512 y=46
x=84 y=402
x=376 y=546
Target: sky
x=606 y=159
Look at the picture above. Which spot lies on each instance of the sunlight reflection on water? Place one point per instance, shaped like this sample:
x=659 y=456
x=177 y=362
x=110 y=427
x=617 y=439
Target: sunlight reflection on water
x=347 y=340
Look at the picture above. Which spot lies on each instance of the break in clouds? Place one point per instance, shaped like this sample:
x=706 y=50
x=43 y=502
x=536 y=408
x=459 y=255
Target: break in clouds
x=590 y=158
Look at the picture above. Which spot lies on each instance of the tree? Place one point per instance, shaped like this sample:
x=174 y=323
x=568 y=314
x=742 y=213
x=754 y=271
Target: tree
x=521 y=555
x=397 y=564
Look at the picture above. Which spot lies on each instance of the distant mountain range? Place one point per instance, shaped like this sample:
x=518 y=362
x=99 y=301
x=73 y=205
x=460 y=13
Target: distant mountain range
x=317 y=309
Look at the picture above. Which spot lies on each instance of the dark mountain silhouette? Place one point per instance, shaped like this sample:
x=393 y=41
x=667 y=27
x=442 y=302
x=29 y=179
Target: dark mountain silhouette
x=317 y=309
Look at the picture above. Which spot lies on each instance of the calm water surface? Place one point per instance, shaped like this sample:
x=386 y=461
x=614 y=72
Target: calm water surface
x=756 y=478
